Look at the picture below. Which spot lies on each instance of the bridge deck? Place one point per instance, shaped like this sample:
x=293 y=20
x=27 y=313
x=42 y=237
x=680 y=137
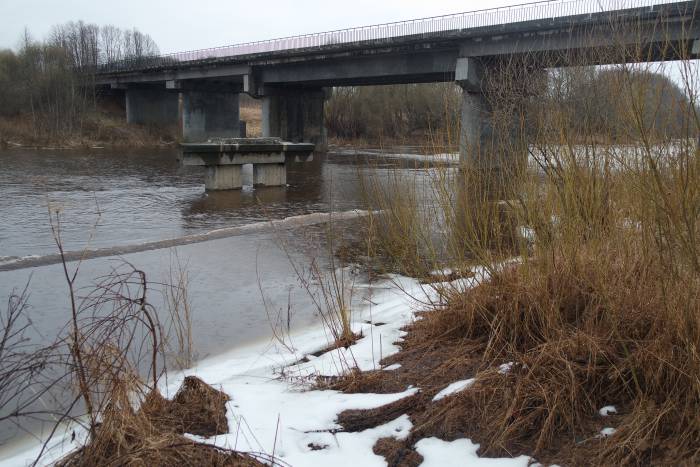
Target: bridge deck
x=496 y=21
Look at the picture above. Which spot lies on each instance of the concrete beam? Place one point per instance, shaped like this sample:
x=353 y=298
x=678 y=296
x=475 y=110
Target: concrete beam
x=426 y=66
x=623 y=41
x=231 y=71
x=233 y=158
x=221 y=86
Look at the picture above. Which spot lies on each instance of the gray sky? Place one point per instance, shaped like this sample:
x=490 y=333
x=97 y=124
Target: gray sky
x=178 y=25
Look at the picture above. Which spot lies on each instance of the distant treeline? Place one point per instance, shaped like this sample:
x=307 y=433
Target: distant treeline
x=389 y=113
x=49 y=83
x=594 y=106
x=601 y=100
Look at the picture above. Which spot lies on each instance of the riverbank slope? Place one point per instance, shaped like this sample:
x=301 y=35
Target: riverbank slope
x=100 y=129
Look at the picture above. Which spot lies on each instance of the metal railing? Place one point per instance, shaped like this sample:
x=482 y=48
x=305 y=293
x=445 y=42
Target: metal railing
x=429 y=27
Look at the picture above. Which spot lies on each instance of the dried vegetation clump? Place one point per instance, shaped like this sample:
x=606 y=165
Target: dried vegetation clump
x=153 y=434
x=584 y=335
x=197 y=408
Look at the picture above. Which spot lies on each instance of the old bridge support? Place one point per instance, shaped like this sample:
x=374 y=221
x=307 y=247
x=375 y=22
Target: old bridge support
x=493 y=136
x=210 y=114
x=295 y=115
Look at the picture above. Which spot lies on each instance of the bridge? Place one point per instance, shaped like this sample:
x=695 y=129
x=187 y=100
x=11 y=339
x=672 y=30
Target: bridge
x=199 y=90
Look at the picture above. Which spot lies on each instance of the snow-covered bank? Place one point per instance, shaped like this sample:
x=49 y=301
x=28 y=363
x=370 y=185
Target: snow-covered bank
x=272 y=411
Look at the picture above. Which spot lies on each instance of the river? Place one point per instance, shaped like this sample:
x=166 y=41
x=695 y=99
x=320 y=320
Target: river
x=142 y=207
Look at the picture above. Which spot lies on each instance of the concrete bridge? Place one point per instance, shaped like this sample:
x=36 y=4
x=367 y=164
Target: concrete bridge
x=199 y=89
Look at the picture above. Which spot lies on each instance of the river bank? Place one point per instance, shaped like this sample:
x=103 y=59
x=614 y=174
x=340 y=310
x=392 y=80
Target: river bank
x=271 y=387
x=99 y=130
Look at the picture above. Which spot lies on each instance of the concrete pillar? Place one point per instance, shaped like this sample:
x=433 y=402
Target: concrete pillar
x=295 y=115
x=223 y=177
x=210 y=115
x=476 y=137
x=476 y=131
x=152 y=106
x=269 y=174
x=496 y=154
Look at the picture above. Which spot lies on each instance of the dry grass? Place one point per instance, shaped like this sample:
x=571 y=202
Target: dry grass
x=100 y=129
x=197 y=408
x=251 y=113
x=152 y=436
x=602 y=306
x=577 y=347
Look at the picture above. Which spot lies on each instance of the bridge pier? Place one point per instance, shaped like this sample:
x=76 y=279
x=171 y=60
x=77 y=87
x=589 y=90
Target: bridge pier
x=151 y=106
x=225 y=158
x=269 y=174
x=295 y=115
x=208 y=114
x=495 y=155
x=476 y=131
x=223 y=177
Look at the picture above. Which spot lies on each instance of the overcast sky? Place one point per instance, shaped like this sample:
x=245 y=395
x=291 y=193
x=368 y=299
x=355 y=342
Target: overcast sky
x=178 y=25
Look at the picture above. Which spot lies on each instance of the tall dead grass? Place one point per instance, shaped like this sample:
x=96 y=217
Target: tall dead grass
x=602 y=306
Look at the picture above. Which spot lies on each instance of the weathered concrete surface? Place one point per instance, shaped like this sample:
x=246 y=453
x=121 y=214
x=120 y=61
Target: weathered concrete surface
x=295 y=115
x=207 y=114
x=476 y=132
x=223 y=177
x=151 y=106
x=269 y=174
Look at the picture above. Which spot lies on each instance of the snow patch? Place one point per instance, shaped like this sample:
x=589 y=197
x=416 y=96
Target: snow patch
x=505 y=368
x=607 y=410
x=454 y=388
x=439 y=453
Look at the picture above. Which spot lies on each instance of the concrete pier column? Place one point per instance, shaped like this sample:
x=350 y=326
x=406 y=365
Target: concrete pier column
x=210 y=115
x=476 y=132
x=223 y=177
x=269 y=174
x=495 y=155
x=295 y=115
x=152 y=106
